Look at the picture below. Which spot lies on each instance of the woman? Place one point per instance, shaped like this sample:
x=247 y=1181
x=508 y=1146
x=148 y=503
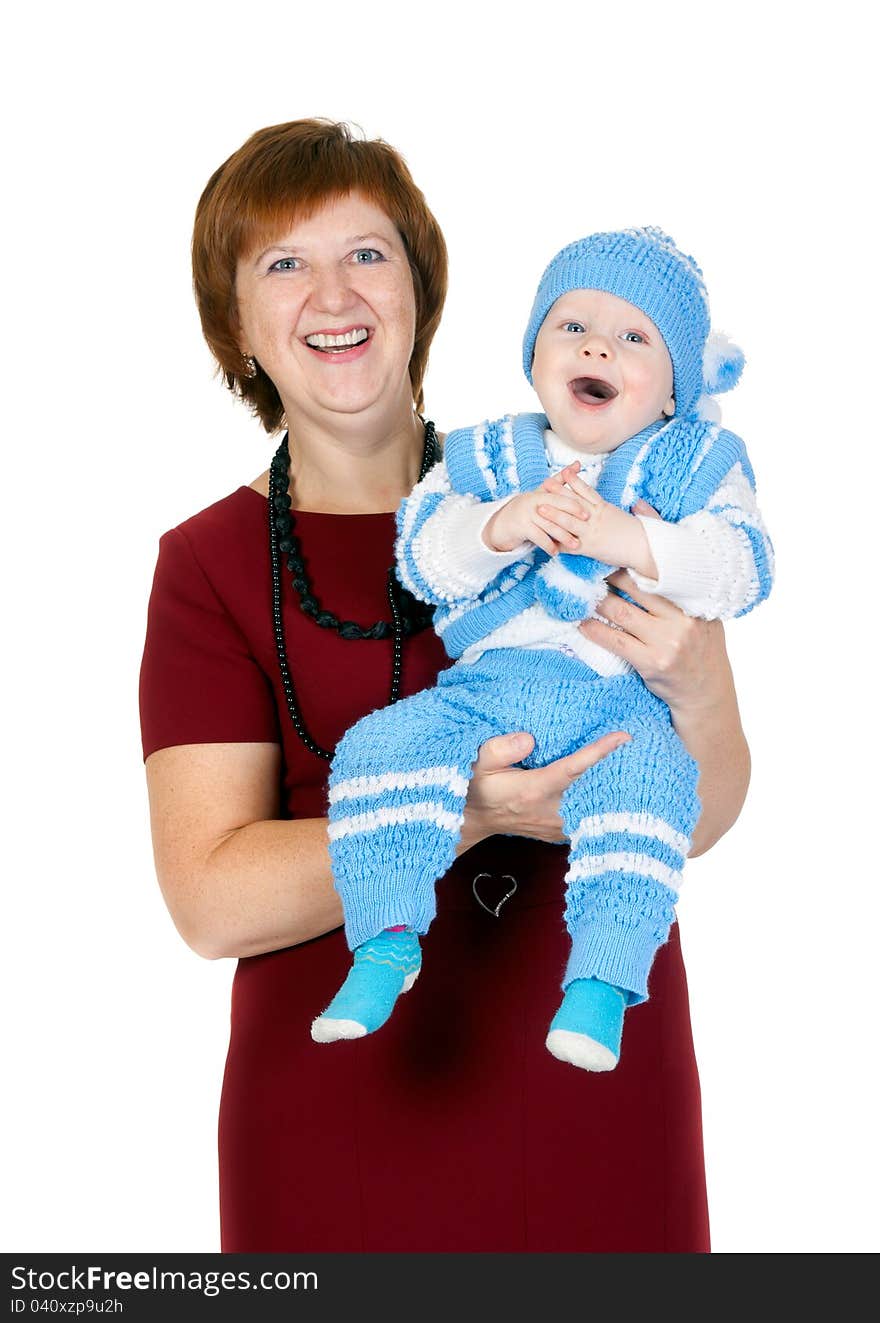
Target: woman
x=320 y=276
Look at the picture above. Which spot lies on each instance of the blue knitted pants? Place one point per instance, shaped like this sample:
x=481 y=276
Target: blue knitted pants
x=400 y=778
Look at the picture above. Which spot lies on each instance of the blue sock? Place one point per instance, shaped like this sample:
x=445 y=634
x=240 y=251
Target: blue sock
x=587 y=1028
x=383 y=967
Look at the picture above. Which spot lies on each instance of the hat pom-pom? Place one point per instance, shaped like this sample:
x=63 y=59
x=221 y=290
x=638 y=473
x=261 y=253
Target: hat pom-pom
x=708 y=409
x=723 y=362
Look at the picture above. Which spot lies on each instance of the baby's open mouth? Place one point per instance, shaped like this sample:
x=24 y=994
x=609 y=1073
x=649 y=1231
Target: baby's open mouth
x=592 y=390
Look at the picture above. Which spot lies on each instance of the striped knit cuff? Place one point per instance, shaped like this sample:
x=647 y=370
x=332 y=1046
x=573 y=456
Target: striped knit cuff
x=460 y=456
x=702 y=564
x=366 y=916
x=616 y=952
x=449 y=555
x=467 y=554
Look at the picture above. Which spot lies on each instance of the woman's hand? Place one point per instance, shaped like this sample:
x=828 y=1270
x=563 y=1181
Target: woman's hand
x=519 y=801
x=684 y=661
x=681 y=659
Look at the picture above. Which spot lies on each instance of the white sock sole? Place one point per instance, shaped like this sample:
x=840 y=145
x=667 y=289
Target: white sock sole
x=331 y=1031
x=579 y=1050
x=325 y=1030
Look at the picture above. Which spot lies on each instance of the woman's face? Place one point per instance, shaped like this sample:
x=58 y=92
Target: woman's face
x=342 y=275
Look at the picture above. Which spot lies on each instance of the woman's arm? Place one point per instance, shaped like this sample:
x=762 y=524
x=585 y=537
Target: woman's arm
x=684 y=661
x=239 y=881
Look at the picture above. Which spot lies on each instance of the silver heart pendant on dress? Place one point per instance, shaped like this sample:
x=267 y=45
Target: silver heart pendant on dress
x=506 y=877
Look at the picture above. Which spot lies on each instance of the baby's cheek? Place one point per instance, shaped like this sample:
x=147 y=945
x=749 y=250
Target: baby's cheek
x=642 y=387
x=650 y=391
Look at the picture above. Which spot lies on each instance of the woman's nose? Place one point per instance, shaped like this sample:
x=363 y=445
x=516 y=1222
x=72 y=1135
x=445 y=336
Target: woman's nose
x=331 y=290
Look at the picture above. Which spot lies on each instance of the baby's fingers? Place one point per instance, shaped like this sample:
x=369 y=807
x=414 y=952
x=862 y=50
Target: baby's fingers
x=556 y=482
x=537 y=533
x=573 y=523
x=575 y=488
x=563 y=538
x=559 y=503
x=580 y=488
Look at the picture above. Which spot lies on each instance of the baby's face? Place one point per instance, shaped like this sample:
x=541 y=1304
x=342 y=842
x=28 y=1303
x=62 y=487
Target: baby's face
x=601 y=370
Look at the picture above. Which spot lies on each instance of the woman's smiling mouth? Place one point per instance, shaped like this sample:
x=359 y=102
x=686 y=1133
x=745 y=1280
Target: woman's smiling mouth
x=336 y=343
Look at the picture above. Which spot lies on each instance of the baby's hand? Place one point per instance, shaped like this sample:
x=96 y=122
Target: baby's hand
x=600 y=530
x=537 y=517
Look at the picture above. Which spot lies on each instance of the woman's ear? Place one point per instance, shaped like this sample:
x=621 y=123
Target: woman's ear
x=236 y=331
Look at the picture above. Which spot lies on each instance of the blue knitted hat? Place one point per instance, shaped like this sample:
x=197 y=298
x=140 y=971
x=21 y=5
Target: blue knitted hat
x=645 y=268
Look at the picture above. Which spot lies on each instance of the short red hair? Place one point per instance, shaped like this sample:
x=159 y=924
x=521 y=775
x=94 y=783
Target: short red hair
x=283 y=174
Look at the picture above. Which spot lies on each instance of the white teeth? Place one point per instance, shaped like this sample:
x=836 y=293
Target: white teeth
x=356 y=337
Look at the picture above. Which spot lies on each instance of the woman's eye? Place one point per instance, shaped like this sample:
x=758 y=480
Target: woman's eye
x=284 y=264
x=366 y=256
x=634 y=337
x=575 y=327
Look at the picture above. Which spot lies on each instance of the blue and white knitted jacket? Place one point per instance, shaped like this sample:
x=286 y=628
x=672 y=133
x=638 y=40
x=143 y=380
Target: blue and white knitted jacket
x=683 y=468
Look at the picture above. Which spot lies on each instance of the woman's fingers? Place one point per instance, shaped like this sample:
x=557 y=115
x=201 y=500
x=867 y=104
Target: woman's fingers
x=540 y=789
x=651 y=603
x=665 y=645
x=558 y=776
x=504 y=798
x=616 y=640
x=504 y=751
x=626 y=629
x=629 y=617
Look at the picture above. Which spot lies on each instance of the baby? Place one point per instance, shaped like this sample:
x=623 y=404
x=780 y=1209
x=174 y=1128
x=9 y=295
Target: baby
x=512 y=536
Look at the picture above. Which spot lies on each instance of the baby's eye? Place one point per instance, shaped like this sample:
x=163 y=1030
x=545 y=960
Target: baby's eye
x=634 y=337
x=284 y=264
x=576 y=328
x=367 y=256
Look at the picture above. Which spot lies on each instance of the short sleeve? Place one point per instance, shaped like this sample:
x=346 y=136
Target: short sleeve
x=199 y=681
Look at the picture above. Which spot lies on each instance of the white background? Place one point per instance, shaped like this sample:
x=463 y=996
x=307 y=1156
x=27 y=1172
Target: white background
x=742 y=130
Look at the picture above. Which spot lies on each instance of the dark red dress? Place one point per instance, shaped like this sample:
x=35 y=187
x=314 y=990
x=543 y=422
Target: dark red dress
x=452 y=1128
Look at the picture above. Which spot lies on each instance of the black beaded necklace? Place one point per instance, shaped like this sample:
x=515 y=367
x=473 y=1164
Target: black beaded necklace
x=409 y=615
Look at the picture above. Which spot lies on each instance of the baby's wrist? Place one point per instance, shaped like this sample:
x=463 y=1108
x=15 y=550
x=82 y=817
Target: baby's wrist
x=488 y=539
x=495 y=537
x=639 y=556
